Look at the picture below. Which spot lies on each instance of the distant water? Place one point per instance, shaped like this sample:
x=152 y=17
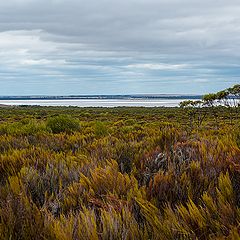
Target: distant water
x=98 y=102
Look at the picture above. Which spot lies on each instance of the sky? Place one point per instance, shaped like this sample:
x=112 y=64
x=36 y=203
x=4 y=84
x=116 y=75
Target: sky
x=64 y=47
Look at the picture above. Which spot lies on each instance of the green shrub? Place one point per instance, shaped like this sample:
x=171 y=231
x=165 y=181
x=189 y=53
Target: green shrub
x=238 y=138
x=100 y=129
x=63 y=123
x=24 y=127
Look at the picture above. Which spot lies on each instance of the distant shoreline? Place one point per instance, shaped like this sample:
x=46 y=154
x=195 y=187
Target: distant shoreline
x=99 y=102
x=128 y=97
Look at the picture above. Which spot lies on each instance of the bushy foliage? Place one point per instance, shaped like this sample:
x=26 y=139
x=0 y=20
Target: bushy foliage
x=100 y=129
x=63 y=123
x=25 y=127
x=125 y=174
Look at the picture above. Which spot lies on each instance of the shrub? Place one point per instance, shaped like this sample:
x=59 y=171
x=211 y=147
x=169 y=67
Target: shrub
x=100 y=129
x=24 y=127
x=237 y=136
x=63 y=123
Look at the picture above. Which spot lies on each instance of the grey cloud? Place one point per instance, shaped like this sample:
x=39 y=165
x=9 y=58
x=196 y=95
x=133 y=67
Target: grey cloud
x=127 y=23
x=90 y=38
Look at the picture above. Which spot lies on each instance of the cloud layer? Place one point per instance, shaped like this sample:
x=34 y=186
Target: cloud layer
x=118 y=47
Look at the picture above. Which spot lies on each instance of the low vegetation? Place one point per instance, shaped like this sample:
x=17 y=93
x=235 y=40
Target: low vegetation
x=122 y=173
x=63 y=123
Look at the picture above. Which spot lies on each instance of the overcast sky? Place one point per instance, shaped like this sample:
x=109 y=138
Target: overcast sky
x=62 y=47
